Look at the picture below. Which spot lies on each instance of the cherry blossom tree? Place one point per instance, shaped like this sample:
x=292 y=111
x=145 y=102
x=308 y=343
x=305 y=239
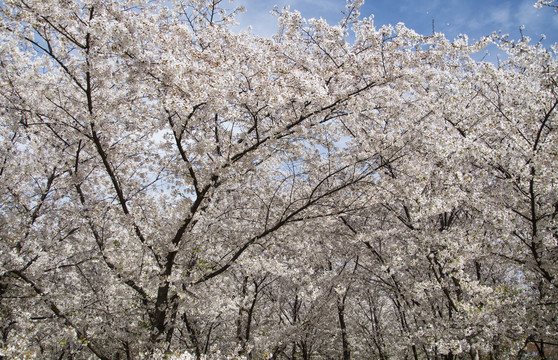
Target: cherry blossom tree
x=171 y=187
x=540 y=3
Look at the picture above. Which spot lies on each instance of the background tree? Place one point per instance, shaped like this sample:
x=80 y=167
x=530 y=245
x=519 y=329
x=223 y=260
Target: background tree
x=171 y=186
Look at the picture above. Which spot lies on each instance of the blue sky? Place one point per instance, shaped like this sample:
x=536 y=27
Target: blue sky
x=451 y=17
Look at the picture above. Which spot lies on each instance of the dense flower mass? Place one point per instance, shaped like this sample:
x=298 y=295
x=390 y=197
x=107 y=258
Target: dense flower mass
x=173 y=189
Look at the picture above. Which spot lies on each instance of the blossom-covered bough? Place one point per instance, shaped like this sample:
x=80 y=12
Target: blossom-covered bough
x=171 y=187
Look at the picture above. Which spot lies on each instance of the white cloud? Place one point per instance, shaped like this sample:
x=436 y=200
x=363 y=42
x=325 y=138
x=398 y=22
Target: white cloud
x=537 y=21
x=258 y=16
x=328 y=5
x=476 y=19
x=500 y=15
x=527 y=14
x=263 y=23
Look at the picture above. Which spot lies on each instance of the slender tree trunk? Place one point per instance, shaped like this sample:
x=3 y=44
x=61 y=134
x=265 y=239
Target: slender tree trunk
x=343 y=326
